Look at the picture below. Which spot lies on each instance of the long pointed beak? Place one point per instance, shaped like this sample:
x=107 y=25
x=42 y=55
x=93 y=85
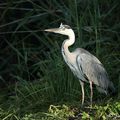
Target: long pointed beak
x=52 y=30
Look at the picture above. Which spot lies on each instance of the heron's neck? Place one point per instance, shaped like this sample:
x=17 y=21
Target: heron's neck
x=70 y=41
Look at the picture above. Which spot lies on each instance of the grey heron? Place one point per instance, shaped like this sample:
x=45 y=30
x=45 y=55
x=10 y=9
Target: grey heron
x=83 y=64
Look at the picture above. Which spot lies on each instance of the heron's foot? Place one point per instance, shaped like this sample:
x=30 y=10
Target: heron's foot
x=82 y=103
x=91 y=106
x=82 y=106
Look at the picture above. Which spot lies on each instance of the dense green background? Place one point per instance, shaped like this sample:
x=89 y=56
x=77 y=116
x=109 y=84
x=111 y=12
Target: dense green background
x=33 y=73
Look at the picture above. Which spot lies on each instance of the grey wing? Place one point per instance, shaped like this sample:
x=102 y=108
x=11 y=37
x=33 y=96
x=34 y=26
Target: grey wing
x=93 y=70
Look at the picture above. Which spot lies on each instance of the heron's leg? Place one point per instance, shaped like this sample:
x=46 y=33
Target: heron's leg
x=91 y=94
x=83 y=94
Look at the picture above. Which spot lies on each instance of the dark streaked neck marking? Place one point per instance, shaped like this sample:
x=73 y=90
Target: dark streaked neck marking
x=67 y=26
x=64 y=27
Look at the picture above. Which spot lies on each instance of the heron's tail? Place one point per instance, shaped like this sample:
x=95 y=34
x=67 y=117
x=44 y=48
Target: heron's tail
x=101 y=90
x=111 y=89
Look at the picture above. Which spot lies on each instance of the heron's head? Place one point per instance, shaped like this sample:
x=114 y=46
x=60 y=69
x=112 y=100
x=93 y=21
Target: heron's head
x=63 y=29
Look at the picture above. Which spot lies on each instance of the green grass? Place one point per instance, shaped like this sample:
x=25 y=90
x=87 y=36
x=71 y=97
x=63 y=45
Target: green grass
x=33 y=74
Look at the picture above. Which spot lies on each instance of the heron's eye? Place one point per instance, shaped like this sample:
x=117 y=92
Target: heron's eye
x=62 y=27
